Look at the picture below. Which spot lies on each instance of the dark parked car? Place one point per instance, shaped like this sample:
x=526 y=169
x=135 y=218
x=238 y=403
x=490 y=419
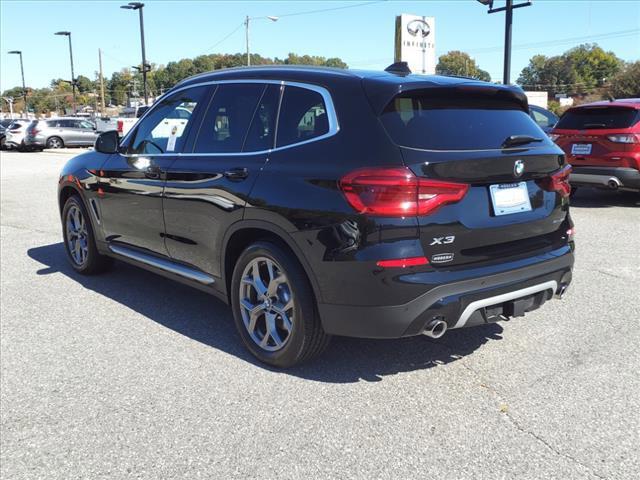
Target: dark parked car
x=4 y=124
x=602 y=142
x=545 y=119
x=323 y=202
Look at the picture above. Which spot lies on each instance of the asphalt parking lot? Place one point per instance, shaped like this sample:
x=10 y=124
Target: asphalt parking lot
x=128 y=375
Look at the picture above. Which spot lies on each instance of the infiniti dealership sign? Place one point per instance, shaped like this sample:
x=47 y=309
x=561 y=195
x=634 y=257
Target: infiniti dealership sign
x=416 y=43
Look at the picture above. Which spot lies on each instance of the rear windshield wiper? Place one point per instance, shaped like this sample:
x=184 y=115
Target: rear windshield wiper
x=514 y=140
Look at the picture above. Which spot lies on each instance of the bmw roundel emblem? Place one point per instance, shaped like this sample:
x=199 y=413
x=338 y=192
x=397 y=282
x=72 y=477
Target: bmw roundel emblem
x=518 y=168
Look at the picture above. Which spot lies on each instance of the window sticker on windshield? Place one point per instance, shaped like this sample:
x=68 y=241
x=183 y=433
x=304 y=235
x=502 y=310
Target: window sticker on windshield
x=171 y=144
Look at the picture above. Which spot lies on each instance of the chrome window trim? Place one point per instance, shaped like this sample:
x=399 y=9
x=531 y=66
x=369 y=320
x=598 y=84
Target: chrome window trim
x=332 y=118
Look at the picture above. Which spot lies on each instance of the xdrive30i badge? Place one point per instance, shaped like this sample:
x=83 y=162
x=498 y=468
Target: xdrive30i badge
x=442 y=258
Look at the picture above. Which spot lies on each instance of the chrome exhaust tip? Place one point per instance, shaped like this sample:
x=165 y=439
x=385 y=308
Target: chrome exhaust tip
x=435 y=329
x=562 y=290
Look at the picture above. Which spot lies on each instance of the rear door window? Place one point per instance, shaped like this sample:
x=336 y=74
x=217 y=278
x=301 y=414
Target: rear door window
x=262 y=130
x=303 y=116
x=225 y=125
x=598 y=118
x=435 y=120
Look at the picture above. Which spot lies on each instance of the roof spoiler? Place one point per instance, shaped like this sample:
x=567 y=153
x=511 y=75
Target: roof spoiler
x=381 y=93
x=399 y=67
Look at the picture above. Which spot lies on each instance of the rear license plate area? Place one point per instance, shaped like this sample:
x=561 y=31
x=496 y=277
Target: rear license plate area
x=510 y=198
x=581 y=149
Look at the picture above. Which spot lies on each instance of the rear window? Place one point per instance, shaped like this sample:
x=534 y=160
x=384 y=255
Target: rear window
x=598 y=118
x=436 y=121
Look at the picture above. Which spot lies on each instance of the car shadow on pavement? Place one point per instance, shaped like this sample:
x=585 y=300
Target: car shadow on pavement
x=206 y=319
x=598 y=198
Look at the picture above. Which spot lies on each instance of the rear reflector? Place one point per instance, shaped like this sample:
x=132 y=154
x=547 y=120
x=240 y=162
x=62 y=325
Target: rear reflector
x=403 y=262
x=557 y=182
x=397 y=192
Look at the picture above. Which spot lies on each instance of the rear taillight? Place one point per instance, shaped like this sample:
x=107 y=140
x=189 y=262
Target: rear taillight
x=397 y=192
x=557 y=182
x=624 y=138
x=120 y=127
x=33 y=132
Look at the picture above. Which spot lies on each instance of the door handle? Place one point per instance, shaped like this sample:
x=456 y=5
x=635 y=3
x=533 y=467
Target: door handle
x=153 y=172
x=237 y=173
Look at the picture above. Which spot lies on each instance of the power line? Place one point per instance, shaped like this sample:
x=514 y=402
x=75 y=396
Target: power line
x=331 y=9
x=547 y=43
x=562 y=41
x=294 y=14
x=225 y=37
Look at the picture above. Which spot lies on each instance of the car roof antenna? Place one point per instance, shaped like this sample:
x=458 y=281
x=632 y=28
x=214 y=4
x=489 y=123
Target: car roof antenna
x=398 y=67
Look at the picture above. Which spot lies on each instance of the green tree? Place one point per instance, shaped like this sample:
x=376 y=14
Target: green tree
x=626 y=83
x=460 y=63
x=577 y=71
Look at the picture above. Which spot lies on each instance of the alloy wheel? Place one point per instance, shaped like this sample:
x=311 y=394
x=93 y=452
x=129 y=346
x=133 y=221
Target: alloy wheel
x=55 y=143
x=77 y=235
x=266 y=304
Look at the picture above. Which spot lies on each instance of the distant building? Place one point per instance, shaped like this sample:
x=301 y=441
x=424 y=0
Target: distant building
x=537 y=98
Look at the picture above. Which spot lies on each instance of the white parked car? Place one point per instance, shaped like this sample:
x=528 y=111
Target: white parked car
x=15 y=133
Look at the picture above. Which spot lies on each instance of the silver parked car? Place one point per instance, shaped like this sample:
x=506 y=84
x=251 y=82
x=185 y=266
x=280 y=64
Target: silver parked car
x=60 y=132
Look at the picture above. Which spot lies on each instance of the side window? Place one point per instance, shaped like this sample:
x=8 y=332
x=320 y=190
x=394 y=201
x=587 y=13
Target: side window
x=66 y=124
x=52 y=123
x=226 y=122
x=162 y=130
x=539 y=118
x=263 y=125
x=303 y=116
x=86 y=125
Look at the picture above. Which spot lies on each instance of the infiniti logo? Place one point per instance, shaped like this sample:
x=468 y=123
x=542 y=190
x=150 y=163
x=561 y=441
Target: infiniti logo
x=418 y=26
x=518 y=168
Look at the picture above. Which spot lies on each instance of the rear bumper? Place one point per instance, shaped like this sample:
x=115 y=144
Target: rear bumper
x=606 y=177
x=462 y=298
x=34 y=141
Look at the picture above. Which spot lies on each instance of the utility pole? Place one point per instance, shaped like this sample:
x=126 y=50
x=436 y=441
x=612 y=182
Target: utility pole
x=246 y=32
x=508 y=21
x=24 y=87
x=104 y=107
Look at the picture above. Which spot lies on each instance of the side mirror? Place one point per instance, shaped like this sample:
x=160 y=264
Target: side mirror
x=107 y=142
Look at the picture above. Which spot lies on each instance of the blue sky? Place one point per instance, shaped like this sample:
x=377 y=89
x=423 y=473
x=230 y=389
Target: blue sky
x=361 y=35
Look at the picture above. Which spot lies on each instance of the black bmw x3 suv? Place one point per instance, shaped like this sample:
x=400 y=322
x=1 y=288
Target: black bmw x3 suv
x=321 y=202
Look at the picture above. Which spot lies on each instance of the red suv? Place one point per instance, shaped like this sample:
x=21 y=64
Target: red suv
x=602 y=142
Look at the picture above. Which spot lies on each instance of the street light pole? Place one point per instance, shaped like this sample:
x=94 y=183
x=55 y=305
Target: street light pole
x=24 y=87
x=145 y=68
x=73 y=77
x=246 y=25
x=508 y=21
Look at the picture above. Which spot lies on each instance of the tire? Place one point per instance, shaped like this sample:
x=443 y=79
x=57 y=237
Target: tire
x=2 y=145
x=79 y=239
x=287 y=301
x=55 y=142
x=573 y=192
